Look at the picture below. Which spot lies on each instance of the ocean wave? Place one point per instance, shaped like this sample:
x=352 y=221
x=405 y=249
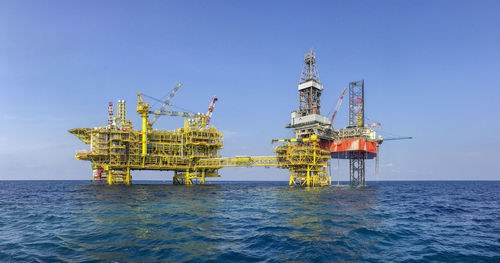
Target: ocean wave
x=249 y=222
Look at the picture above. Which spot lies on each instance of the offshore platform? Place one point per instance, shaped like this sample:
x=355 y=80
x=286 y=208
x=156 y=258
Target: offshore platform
x=192 y=151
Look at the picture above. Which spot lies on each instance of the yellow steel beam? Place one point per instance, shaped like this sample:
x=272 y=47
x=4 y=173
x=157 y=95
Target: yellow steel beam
x=264 y=161
x=82 y=133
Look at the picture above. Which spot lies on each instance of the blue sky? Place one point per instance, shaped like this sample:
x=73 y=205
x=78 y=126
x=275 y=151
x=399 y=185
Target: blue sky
x=431 y=71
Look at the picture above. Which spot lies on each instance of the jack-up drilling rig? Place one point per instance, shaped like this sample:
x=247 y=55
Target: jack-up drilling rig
x=316 y=141
x=356 y=142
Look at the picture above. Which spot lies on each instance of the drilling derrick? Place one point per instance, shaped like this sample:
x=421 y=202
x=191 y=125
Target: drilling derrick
x=307 y=120
x=306 y=156
x=309 y=87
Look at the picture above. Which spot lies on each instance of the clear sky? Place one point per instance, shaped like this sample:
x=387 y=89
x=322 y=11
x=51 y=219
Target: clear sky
x=431 y=71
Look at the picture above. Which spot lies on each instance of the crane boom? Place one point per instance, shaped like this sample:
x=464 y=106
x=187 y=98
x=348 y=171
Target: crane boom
x=166 y=102
x=211 y=109
x=337 y=107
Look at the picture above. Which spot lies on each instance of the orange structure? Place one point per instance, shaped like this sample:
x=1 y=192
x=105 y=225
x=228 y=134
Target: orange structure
x=339 y=148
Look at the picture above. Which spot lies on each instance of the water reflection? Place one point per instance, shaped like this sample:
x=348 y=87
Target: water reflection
x=328 y=215
x=154 y=220
x=222 y=222
x=284 y=222
x=248 y=221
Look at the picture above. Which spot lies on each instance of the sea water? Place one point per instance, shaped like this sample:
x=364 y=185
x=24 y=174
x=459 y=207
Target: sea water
x=76 y=221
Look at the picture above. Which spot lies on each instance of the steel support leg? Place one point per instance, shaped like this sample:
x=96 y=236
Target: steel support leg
x=128 y=178
x=357 y=169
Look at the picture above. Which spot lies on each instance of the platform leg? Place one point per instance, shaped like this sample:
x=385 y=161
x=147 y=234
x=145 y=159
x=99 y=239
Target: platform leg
x=308 y=178
x=291 y=179
x=110 y=175
x=128 y=177
x=188 y=178
x=202 y=177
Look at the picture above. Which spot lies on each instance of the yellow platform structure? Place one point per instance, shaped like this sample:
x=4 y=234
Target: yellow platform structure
x=191 y=152
x=305 y=160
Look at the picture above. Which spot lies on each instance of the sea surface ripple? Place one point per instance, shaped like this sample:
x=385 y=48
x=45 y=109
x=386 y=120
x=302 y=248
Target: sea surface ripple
x=75 y=221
